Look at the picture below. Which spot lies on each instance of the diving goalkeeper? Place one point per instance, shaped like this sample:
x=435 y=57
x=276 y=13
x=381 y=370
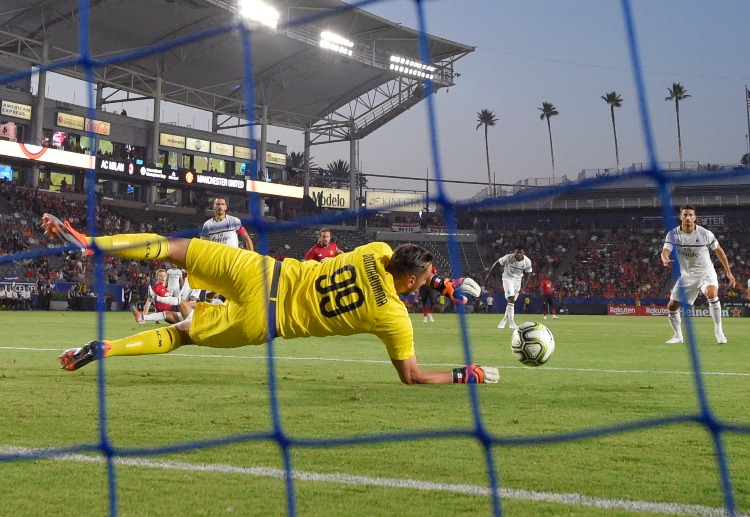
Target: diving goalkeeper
x=353 y=293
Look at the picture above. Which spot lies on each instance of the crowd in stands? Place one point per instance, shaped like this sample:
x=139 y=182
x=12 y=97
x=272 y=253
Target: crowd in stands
x=21 y=209
x=590 y=262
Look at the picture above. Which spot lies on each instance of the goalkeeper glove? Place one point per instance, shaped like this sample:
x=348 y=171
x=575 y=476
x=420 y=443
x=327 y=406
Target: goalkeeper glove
x=449 y=288
x=475 y=374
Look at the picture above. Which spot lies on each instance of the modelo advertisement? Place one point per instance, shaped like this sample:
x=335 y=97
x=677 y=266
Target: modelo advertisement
x=727 y=311
x=330 y=197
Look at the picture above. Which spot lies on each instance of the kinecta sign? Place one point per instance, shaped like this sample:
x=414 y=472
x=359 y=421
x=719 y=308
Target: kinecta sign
x=218 y=181
x=394 y=201
x=330 y=197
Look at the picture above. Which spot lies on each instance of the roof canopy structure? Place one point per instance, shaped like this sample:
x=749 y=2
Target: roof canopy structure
x=195 y=47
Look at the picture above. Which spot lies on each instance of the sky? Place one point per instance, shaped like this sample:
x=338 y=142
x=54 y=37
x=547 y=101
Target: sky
x=569 y=54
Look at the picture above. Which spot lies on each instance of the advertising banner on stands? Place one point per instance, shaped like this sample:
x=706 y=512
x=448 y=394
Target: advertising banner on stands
x=330 y=197
x=196 y=144
x=406 y=227
x=222 y=149
x=275 y=158
x=157 y=173
x=98 y=126
x=394 y=201
x=167 y=140
x=70 y=121
x=115 y=166
x=244 y=153
x=727 y=311
x=222 y=181
x=15 y=109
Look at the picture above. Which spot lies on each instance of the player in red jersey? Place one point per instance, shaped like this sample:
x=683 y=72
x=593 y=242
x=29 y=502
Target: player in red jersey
x=324 y=249
x=549 y=298
x=168 y=308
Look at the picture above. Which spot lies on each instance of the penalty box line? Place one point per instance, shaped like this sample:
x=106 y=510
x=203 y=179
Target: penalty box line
x=409 y=484
x=380 y=361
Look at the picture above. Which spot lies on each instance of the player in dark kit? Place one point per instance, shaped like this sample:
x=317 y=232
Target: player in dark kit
x=427 y=295
x=549 y=298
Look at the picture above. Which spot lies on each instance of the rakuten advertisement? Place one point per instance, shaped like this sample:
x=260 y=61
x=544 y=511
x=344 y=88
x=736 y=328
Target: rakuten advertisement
x=636 y=310
x=727 y=311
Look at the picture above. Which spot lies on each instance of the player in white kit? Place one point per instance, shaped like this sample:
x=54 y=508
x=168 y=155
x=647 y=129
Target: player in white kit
x=516 y=268
x=174 y=280
x=226 y=229
x=697 y=274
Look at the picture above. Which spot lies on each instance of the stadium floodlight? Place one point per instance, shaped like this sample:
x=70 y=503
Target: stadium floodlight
x=332 y=41
x=407 y=66
x=259 y=12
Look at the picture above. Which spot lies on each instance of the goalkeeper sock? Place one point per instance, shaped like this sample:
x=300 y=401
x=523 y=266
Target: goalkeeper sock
x=714 y=308
x=675 y=320
x=135 y=246
x=157 y=341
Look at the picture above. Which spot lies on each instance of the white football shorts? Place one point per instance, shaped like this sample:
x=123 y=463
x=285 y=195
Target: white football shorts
x=512 y=287
x=693 y=286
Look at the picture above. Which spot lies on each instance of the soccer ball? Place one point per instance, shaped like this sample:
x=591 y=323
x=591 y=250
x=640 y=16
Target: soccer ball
x=532 y=343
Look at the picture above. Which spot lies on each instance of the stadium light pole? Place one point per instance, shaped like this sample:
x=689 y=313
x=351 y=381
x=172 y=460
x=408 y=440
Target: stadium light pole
x=427 y=190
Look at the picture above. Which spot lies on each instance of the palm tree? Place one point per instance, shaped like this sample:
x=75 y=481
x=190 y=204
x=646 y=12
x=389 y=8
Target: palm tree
x=295 y=160
x=677 y=93
x=615 y=101
x=487 y=118
x=548 y=110
x=339 y=168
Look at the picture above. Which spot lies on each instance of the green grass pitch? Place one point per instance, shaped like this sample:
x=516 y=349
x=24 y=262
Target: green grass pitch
x=605 y=371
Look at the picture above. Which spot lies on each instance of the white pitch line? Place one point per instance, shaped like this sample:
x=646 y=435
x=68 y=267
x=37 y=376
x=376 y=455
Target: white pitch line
x=380 y=361
x=410 y=484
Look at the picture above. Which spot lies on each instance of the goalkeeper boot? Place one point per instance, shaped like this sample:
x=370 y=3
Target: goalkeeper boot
x=75 y=358
x=55 y=228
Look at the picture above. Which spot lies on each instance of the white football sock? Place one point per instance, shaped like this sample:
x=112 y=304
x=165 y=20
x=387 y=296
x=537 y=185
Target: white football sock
x=675 y=320
x=714 y=308
x=155 y=316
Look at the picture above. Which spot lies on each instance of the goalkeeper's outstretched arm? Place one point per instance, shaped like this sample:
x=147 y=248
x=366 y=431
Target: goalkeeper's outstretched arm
x=410 y=373
x=458 y=290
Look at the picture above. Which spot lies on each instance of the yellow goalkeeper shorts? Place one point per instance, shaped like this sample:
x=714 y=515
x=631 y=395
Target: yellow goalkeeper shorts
x=239 y=276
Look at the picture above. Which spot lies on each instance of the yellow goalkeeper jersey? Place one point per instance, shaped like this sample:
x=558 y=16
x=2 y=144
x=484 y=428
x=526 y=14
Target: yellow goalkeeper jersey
x=344 y=295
